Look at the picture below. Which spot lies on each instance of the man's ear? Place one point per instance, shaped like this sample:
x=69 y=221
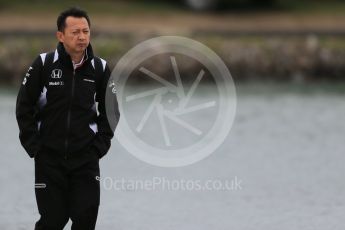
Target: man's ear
x=60 y=36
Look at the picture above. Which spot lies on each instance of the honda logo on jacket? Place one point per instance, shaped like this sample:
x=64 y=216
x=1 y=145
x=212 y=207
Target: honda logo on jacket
x=56 y=73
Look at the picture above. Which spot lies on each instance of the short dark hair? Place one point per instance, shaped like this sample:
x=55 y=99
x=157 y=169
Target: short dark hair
x=74 y=12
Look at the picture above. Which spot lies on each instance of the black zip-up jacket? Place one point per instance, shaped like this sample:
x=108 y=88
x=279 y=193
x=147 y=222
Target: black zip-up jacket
x=56 y=106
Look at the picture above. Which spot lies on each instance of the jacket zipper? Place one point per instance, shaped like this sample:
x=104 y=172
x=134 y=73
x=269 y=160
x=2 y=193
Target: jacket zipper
x=69 y=114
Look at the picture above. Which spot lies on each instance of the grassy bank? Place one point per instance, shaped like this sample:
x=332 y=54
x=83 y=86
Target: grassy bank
x=122 y=24
x=292 y=59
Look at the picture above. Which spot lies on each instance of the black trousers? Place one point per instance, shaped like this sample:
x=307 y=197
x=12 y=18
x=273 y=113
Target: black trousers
x=67 y=189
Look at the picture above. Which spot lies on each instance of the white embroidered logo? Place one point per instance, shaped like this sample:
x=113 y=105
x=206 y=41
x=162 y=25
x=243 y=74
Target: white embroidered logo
x=27 y=75
x=40 y=185
x=56 y=73
x=56 y=83
x=113 y=86
x=24 y=81
x=88 y=80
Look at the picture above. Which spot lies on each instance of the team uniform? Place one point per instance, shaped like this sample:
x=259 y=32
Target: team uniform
x=63 y=125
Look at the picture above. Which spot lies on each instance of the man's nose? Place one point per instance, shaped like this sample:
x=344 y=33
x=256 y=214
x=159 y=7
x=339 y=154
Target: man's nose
x=81 y=36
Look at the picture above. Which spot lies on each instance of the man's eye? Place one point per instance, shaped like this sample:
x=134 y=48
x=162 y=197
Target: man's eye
x=75 y=33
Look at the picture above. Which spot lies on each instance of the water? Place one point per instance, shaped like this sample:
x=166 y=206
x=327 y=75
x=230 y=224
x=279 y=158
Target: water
x=286 y=148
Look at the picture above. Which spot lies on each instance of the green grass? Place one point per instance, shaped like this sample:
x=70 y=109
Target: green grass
x=334 y=43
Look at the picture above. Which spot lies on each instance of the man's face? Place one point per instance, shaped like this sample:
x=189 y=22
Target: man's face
x=76 y=36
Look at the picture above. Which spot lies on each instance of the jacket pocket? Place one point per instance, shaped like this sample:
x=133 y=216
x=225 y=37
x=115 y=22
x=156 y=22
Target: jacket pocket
x=86 y=93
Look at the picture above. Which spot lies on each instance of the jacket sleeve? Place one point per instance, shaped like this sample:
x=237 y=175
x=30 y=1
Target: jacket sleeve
x=102 y=141
x=26 y=108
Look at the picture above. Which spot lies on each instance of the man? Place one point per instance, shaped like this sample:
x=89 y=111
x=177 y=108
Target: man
x=62 y=127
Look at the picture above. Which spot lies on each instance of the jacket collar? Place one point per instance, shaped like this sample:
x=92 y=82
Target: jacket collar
x=66 y=57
